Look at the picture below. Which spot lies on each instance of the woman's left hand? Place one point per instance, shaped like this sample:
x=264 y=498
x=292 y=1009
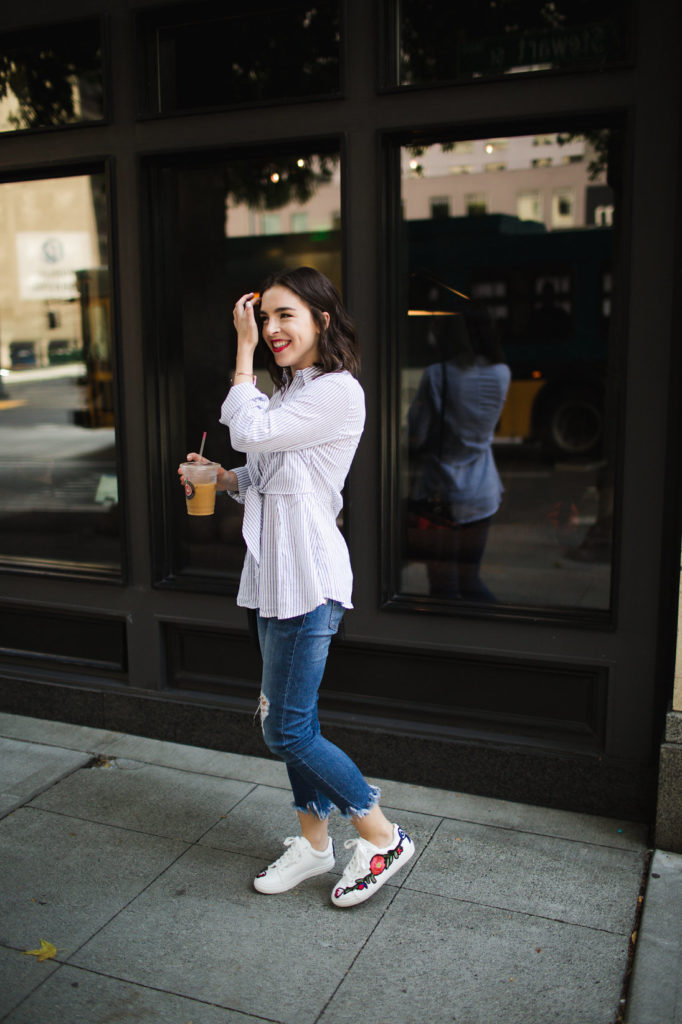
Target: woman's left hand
x=245 y=322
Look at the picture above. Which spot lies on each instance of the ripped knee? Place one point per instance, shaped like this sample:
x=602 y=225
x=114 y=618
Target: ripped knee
x=263 y=708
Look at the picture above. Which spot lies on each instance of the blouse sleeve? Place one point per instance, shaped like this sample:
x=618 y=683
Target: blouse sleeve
x=319 y=413
x=243 y=483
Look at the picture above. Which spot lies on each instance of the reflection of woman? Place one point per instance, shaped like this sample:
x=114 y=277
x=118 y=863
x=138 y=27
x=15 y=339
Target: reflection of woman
x=299 y=445
x=457 y=489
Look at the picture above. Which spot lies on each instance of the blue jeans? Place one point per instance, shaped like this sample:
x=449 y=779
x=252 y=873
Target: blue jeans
x=294 y=658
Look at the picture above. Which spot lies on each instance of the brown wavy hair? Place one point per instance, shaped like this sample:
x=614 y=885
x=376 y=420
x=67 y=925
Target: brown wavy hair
x=337 y=344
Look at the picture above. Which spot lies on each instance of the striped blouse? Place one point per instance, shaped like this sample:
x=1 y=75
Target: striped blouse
x=299 y=446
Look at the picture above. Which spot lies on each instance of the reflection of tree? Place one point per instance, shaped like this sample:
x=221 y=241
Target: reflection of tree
x=52 y=79
x=269 y=183
x=602 y=142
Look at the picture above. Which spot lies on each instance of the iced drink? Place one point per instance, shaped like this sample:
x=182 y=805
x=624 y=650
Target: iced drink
x=200 y=487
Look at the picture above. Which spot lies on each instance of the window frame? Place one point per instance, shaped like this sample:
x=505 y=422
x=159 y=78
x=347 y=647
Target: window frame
x=388 y=63
x=147 y=71
x=103 y=20
x=76 y=570
x=157 y=323
x=391 y=599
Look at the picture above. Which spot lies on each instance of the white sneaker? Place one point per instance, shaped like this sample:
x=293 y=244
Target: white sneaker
x=371 y=866
x=296 y=864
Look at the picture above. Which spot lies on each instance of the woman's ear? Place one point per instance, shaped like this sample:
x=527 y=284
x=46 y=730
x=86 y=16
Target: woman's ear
x=326 y=317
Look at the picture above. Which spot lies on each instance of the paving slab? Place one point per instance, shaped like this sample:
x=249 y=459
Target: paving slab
x=442 y=961
x=202 y=932
x=158 y=801
x=208 y=762
x=19 y=976
x=80 y=997
x=655 y=995
x=578 y=883
x=56 y=734
x=588 y=828
x=28 y=769
x=64 y=879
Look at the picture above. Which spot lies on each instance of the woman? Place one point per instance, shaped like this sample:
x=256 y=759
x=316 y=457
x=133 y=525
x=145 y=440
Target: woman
x=457 y=488
x=299 y=445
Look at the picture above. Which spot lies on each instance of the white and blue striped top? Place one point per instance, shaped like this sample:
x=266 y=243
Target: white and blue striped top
x=299 y=446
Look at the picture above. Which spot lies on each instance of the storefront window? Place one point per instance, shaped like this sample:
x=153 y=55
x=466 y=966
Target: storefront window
x=217 y=239
x=59 y=497
x=507 y=375
x=444 y=42
x=199 y=56
x=51 y=76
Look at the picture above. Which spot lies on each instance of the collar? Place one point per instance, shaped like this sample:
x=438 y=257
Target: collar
x=305 y=375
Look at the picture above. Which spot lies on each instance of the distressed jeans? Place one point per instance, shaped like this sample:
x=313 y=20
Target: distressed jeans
x=294 y=658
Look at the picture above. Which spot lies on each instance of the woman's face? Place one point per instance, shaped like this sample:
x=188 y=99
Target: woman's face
x=289 y=330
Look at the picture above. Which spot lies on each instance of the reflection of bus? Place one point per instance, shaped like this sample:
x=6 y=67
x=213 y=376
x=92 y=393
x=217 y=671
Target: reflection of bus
x=549 y=294
x=98 y=408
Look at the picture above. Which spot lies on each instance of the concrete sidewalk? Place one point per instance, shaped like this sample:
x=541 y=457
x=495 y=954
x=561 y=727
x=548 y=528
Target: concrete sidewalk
x=135 y=859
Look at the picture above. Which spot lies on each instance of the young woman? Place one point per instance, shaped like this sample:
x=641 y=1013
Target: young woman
x=299 y=446
x=457 y=489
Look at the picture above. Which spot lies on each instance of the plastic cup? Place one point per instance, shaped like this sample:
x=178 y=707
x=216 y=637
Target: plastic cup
x=200 y=479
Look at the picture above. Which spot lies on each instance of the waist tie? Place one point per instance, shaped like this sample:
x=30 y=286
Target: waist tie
x=253 y=519
x=253 y=510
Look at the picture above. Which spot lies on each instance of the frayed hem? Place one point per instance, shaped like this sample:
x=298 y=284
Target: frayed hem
x=312 y=808
x=355 y=812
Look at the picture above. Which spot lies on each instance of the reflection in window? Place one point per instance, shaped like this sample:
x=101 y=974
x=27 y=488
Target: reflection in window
x=442 y=42
x=529 y=206
x=59 y=499
x=440 y=206
x=213 y=250
x=475 y=203
x=506 y=467
x=195 y=54
x=563 y=208
x=51 y=76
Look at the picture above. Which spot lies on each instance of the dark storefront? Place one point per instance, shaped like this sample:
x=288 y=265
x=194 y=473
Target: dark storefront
x=518 y=159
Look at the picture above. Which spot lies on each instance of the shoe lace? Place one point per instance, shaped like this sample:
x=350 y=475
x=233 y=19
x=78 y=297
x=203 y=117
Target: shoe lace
x=290 y=855
x=358 y=865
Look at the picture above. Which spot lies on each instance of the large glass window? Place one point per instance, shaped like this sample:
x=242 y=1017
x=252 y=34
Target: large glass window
x=59 y=495
x=217 y=238
x=444 y=41
x=51 y=76
x=507 y=374
x=201 y=55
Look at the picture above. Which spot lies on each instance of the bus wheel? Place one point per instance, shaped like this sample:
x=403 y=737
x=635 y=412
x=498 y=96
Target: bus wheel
x=574 y=424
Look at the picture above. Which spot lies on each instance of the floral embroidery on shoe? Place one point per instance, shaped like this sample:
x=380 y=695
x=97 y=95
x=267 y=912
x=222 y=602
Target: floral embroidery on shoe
x=377 y=865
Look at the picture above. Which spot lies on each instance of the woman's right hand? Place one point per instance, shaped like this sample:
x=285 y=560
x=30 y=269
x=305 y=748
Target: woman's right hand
x=227 y=480
x=244 y=320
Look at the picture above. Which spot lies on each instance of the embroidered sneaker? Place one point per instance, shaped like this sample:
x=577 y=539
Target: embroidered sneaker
x=369 y=867
x=298 y=862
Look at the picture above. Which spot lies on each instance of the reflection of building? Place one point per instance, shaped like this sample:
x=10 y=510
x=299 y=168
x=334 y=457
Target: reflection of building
x=320 y=213
x=492 y=176
x=468 y=178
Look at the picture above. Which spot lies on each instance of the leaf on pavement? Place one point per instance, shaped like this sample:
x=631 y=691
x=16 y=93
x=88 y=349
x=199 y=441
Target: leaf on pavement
x=46 y=952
